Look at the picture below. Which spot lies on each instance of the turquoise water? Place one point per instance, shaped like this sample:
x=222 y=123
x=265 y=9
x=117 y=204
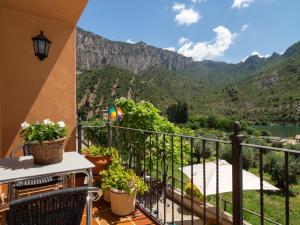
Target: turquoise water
x=280 y=130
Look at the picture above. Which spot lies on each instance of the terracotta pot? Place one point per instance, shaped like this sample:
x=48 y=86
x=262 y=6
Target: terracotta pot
x=100 y=162
x=47 y=152
x=106 y=195
x=122 y=203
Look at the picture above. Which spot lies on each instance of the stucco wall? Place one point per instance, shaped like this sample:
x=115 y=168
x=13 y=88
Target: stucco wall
x=30 y=89
x=1 y=82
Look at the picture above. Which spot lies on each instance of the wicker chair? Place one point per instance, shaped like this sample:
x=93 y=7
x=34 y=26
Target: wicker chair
x=35 y=184
x=62 y=207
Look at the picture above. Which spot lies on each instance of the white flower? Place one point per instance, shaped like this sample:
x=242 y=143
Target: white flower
x=25 y=125
x=48 y=122
x=61 y=124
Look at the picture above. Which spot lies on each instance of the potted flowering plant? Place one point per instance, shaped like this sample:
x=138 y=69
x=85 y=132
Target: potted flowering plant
x=101 y=157
x=124 y=184
x=45 y=140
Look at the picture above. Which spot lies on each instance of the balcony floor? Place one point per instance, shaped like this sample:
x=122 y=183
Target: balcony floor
x=104 y=216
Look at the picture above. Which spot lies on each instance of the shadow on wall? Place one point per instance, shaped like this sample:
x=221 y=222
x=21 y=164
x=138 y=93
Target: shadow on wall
x=32 y=89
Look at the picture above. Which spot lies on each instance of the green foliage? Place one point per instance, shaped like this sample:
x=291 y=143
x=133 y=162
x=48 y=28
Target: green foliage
x=274 y=165
x=265 y=133
x=212 y=122
x=143 y=115
x=196 y=192
x=100 y=151
x=46 y=131
x=120 y=178
x=95 y=132
x=250 y=157
x=256 y=133
x=258 y=90
x=178 y=113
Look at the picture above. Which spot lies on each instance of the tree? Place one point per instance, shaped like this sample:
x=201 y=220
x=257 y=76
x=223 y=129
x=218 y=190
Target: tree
x=274 y=165
x=178 y=113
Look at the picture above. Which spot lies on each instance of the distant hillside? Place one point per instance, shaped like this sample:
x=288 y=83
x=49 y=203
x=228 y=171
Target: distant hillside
x=96 y=89
x=258 y=89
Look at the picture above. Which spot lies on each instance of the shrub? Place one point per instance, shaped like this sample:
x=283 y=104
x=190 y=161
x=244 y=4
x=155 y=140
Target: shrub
x=118 y=177
x=256 y=133
x=250 y=157
x=274 y=165
x=95 y=132
x=249 y=130
x=199 y=150
x=265 y=133
x=100 y=151
x=196 y=192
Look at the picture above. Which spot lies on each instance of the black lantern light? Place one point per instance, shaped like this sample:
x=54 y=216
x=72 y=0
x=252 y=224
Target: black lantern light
x=41 y=46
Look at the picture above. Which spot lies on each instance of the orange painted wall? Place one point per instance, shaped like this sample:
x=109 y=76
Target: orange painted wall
x=30 y=89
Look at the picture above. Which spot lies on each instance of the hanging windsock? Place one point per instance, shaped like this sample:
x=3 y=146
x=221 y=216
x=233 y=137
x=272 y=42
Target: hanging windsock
x=112 y=112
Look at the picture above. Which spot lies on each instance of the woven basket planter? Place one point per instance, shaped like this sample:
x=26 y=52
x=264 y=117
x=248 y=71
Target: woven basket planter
x=48 y=152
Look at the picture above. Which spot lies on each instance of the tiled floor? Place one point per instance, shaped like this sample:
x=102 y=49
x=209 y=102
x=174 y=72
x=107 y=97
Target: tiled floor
x=104 y=216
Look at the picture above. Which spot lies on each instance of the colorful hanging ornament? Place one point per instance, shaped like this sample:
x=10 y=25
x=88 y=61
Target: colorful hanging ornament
x=120 y=114
x=112 y=112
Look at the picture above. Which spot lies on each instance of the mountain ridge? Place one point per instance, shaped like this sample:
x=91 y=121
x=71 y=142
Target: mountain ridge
x=258 y=89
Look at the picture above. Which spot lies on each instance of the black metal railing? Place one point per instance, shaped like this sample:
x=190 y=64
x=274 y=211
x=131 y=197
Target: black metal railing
x=160 y=157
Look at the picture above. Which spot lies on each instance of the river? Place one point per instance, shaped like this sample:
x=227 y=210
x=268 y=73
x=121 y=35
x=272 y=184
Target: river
x=280 y=130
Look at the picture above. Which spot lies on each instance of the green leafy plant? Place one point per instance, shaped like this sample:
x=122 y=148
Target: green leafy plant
x=196 y=193
x=120 y=178
x=46 y=131
x=95 y=131
x=100 y=151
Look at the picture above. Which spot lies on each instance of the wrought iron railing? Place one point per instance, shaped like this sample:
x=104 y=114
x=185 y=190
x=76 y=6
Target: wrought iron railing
x=160 y=157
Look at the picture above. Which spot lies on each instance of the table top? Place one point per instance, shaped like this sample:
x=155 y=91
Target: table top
x=12 y=169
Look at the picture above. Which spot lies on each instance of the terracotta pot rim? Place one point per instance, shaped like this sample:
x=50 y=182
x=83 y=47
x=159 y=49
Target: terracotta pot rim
x=46 y=142
x=121 y=192
x=97 y=156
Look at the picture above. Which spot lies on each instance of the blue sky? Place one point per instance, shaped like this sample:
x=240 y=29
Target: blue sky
x=222 y=30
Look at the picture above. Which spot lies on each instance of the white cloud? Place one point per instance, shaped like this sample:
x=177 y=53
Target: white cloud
x=257 y=54
x=242 y=3
x=185 y=16
x=260 y=55
x=178 y=6
x=130 y=41
x=183 y=40
x=245 y=27
x=172 y=49
x=208 y=49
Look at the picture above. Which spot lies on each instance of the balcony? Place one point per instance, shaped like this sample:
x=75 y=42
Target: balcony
x=159 y=158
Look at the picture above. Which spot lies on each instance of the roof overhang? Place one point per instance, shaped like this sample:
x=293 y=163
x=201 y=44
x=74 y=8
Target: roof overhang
x=67 y=11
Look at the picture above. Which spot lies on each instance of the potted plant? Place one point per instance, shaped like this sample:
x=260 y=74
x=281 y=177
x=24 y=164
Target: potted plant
x=104 y=184
x=45 y=140
x=124 y=184
x=101 y=157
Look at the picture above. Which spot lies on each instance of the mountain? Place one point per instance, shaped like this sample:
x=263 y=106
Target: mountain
x=257 y=89
x=94 y=52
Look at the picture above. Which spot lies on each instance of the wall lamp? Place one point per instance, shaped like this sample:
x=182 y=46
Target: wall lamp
x=41 y=46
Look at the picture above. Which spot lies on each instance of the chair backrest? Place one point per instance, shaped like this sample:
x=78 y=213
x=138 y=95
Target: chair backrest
x=25 y=148
x=62 y=207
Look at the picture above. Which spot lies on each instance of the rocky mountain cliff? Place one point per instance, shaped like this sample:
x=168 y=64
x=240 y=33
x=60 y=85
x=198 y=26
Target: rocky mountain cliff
x=94 y=52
